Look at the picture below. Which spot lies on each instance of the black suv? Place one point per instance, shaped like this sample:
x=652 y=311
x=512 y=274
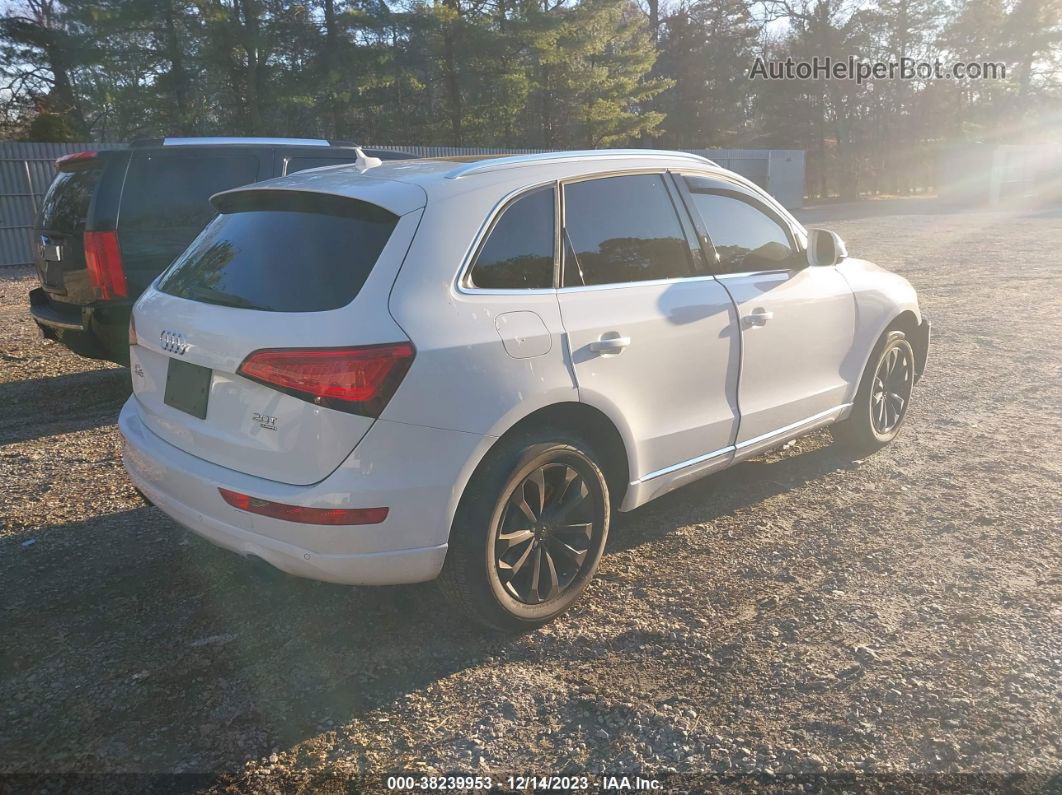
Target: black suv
x=114 y=220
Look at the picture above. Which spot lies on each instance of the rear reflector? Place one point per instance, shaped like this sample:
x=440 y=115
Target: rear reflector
x=70 y=162
x=299 y=513
x=357 y=380
x=103 y=260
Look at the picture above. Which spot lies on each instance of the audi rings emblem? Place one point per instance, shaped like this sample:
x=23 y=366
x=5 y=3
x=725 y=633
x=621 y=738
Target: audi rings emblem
x=174 y=342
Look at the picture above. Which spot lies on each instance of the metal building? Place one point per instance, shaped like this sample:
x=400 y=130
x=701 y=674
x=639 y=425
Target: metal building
x=996 y=173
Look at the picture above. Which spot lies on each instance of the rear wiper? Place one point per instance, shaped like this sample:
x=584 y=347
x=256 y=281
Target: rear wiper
x=224 y=299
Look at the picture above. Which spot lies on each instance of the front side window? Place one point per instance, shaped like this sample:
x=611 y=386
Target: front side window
x=622 y=229
x=745 y=237
x=518 y=253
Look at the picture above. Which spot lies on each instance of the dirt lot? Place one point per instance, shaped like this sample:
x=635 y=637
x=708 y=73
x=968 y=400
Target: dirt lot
x=879 y=623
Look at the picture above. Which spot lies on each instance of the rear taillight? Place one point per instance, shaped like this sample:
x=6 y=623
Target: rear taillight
x=70 y=162
x=357 y=380
x=299 y=513
x=132 y=330
x=103 y=260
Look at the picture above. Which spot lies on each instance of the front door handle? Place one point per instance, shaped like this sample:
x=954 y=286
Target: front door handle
x=608 y=345
x=758 y=317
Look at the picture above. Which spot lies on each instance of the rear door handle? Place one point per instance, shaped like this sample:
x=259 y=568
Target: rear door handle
x=758 y=317
x=610 y=344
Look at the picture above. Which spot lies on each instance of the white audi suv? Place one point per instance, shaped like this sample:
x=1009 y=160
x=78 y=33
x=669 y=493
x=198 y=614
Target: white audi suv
x=388 y=373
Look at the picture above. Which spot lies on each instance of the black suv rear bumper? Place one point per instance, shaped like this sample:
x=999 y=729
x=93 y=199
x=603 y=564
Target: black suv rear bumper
x=98 y=331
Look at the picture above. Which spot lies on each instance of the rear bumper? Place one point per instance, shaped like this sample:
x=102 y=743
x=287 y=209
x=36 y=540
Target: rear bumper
x=98 y=331
x=409 y=546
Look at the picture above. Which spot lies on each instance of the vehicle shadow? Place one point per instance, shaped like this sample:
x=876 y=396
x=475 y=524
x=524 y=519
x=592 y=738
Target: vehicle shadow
x=39 y=407
x=724 y=493
x=133 y=645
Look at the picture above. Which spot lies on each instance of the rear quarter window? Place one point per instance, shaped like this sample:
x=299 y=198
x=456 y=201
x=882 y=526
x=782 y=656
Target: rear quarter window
x=518 y=253
x=283 y=251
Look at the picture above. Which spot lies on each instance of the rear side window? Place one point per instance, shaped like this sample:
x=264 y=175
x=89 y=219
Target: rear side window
x=283 y=251
x=518 y=253
x=622 y=229
x=166 y=201
x=66 y=204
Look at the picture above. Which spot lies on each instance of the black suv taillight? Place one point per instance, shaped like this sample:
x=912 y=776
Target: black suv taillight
x=103 y=260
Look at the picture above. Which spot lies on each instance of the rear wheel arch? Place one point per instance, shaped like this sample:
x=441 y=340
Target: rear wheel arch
x=586 y=422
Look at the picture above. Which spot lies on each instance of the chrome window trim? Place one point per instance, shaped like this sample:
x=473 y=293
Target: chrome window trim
x=585 y=288
x=740 y=446
x=463 y=284
x=741 y=274
x=626 y=172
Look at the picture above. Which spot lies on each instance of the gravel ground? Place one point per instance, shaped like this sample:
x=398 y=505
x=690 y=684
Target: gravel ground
x=802 y=620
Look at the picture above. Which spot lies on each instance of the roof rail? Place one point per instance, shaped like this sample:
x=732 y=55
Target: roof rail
x=515 y=161
x=228 y=140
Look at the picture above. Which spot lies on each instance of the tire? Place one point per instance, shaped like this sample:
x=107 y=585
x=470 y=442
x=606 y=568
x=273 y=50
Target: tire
x=872 y=425
x=489 y=573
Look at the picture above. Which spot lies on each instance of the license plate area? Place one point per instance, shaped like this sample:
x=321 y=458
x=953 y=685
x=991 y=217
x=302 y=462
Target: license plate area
x=52 y=276
x=188 y=387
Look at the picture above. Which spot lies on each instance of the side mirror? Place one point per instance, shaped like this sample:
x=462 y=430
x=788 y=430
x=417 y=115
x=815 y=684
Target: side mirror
x=825 y=247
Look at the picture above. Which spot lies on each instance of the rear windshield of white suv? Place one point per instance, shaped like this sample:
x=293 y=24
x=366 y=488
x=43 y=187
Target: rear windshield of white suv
x=282 y=251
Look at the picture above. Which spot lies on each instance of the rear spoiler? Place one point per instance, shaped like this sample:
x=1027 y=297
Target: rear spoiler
x=76 y=160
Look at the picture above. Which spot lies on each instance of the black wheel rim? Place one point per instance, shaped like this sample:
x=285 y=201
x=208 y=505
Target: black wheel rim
x=891 y=390
x=544 y=534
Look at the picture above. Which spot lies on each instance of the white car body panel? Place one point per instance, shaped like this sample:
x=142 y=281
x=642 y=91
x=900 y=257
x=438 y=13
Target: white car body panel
x=880 y=297
x=463 y=377
x=693 y=392
x=408 y=546
x=681 y=345
x=792 y=366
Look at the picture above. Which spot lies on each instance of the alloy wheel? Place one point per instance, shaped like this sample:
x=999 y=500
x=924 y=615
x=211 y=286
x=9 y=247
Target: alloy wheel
x=891 y=390
x=545 y=533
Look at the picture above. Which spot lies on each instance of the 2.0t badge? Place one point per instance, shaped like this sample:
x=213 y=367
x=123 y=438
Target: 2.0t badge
x=265 y=421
